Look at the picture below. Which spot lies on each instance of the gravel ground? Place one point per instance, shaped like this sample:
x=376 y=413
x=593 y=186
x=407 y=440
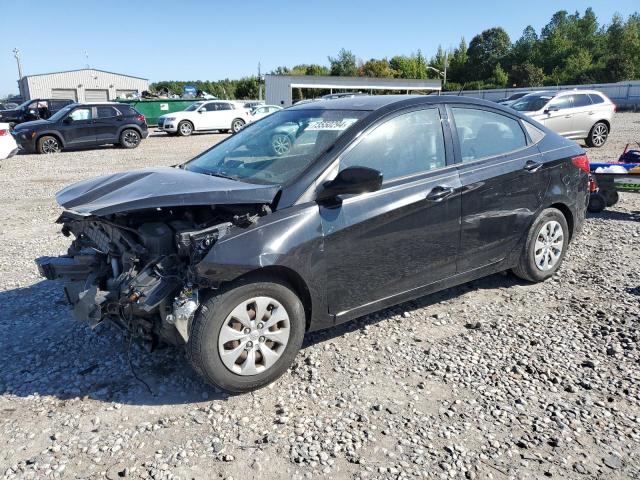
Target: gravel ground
x=494 y=379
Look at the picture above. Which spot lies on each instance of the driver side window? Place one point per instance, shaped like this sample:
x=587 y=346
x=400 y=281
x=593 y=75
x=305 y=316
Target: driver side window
x=81 y=114
x=404 y=145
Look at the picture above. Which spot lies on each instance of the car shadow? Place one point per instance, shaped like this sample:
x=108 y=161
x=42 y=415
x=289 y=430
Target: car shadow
x=45 y=352
x=616 y=215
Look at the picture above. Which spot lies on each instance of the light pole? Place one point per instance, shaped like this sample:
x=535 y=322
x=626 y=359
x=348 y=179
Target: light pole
x=16 y=53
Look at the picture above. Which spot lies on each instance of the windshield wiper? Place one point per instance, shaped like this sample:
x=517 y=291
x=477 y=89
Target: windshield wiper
x=221 y=175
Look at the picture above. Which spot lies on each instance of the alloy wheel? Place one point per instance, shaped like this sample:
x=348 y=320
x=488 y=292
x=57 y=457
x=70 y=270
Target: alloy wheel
x=50 y=145
x=237 y=126
x=131 y=138
x=185 y=128
x=599 y=135
x=549 y=245
x=254 y=336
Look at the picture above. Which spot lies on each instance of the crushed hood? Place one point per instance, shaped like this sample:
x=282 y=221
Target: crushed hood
x=158 y=187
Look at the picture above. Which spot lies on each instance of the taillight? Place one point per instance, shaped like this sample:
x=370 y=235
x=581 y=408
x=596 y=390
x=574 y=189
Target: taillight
x=582 y=162
x=4 y=132
x=140 y=117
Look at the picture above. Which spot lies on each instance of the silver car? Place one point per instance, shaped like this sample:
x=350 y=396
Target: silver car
x=575 y=114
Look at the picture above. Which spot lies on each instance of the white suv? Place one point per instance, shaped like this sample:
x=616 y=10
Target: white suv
x=575 y=114
x=205 y=115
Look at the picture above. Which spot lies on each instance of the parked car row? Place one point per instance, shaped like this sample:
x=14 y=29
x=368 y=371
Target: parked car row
x=220 y=115
x=575 y=114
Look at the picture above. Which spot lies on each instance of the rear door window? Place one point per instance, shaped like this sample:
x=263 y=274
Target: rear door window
x=484 y=134
x=408 y=144
x=106 y=112
x=581 y=100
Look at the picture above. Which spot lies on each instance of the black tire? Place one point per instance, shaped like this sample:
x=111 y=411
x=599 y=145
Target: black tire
x=185 y=128
x=611 y=197
x=203 y=350
x=130 y=138
x=237 y=125
x=598 y=135
x=597 y=203
x=527 y=269
x=48 y=144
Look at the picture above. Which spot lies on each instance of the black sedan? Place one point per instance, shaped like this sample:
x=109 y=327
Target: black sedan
x=378 y=200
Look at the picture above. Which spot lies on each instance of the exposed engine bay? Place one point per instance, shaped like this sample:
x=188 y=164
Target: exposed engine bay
x=136 y=269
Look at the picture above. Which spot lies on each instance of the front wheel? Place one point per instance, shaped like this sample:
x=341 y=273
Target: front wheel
x=185 y=128
x=545 y=247
x=598 y=135
x=246 y=336
x=129 y=138
x=48 y=144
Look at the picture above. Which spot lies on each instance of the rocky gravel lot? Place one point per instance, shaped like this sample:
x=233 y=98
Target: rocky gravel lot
x=494 y=379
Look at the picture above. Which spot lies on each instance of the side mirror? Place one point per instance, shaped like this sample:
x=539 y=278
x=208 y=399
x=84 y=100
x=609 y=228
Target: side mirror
x=68 y=120
x=202 y=110
x=552 y=108
x=352 y=180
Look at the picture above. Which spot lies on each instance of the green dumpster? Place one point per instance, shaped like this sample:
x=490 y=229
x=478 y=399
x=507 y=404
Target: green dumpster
x=154 y=107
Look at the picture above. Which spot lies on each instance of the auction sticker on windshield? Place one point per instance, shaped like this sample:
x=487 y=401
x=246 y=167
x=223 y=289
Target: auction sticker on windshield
x=331 y=124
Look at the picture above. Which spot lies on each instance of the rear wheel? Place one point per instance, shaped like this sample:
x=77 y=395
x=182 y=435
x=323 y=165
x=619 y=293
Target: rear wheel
x=545 y=247
x=185 y=128
x=237 y=125
x=598 y=135
x=611 y=197
x=48 y=144
x=129 y=138
x=247 y=335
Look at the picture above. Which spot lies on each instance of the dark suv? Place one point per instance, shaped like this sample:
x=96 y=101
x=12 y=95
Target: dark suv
x=36 y=109
x=83 y=125
x=379 y=200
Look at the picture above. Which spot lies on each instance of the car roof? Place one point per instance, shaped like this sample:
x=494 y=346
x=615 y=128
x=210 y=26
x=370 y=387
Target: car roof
x=375 y=102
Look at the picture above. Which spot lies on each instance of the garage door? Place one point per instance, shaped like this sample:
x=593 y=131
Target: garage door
x=64 y=94
x=96 y=95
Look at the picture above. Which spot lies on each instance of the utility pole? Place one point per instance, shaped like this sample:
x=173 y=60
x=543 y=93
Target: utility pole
x=86 y=56
x=259 y=83
x=16 y=53
x=446 y=60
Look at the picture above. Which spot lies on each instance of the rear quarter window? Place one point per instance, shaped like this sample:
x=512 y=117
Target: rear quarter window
x=595 y=98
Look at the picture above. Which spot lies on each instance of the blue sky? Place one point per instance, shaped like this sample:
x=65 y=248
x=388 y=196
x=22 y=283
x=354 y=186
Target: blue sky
x=189 y=40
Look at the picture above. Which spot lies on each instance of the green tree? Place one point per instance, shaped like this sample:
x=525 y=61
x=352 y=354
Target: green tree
x=246 y=88
x=526 y=75
x=486 y=50
x=377 y=68
x=499 y=77
x=344 y=65
x=458 y=63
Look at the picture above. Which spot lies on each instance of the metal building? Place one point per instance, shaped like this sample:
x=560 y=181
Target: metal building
x=279 y=86
x=85 y=85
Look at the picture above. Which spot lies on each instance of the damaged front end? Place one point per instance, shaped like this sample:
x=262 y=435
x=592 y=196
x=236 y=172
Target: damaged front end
x=137 y=269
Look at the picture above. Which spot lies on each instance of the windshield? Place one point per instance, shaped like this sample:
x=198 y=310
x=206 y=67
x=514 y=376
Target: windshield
x=60 y=113
x=531 y=103
x=277 y=148
x=193 y=106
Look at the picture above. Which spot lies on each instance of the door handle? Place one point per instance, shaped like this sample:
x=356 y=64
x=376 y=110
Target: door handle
x=592 y=113
x=439 y=193
x=532 y=166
